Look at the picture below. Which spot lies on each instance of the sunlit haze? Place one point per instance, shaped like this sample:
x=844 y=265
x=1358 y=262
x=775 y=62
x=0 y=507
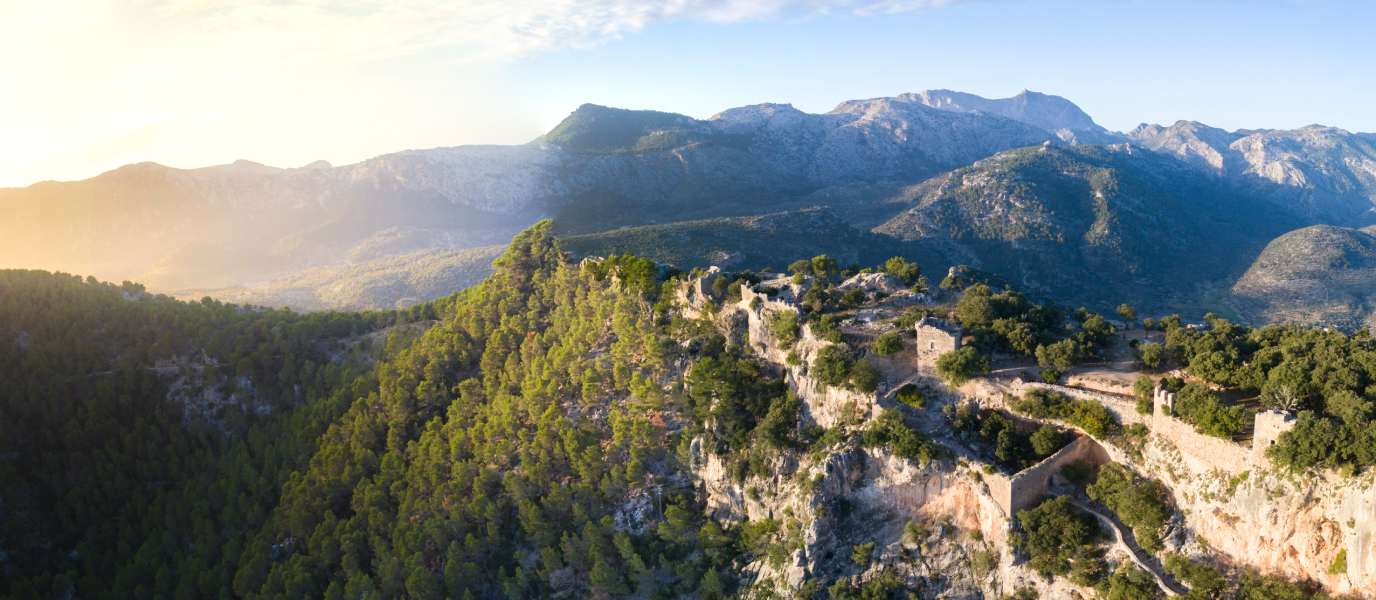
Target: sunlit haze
x=89 y=85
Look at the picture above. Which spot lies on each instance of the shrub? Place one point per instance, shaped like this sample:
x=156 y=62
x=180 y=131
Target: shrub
x=1061 y=355
x=1054 y=533
x=906 y=442
x=853 y=297
x=1151 y=354
x=1140 y=503
x=900 y=267
x=889 y=343
x=1204 y=581
x=1267 y=587
x=1201 y=407
x=1143 y=388
x=1089 y=416
x=1047 y=441
x=1051 y=376
x=1308 y=444
x=780 y=420
x=1131 y=583
x=983 y=561
x=864 y=376
x=861 y=554
x=784 y=326
x=798 y=279
x=828 y=323
x=910 y=395
x=914 y=532
x=1339 y=565
x=832 y=365
x=959 y=366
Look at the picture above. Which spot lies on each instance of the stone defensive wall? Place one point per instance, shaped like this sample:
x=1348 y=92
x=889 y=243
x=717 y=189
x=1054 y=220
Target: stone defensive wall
x=767 y=304
x=822 y=405
x=1123 y=408
x=1201 y=453
x=1020 y=491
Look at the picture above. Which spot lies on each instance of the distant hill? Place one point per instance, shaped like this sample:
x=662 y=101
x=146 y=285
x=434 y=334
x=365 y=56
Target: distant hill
x=1320 y=274
x=880 y=162
x=1321 y=174
x=602 y=168
x=1098 y=225
x=378 y=284
x=756 y=242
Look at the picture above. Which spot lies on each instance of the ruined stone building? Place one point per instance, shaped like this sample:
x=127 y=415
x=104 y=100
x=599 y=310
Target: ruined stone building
x=936 y=337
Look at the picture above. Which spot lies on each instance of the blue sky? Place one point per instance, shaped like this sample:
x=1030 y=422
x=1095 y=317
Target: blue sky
x=88 y=85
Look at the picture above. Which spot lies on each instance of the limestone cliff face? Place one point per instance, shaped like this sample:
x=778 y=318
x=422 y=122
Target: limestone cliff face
x=1235 y=512
x=1235 y=508
x=1274 y=522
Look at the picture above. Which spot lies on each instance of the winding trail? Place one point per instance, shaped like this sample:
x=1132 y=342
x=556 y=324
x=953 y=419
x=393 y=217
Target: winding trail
x=1127 y=541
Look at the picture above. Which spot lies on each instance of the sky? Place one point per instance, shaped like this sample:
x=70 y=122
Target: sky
x=89 y=85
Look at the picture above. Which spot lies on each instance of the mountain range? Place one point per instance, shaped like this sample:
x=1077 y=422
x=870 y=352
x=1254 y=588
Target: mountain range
x=1029 y=186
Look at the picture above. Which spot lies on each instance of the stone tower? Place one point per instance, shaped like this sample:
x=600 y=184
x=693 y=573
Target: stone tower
x=936 y=337
x=1269 y=425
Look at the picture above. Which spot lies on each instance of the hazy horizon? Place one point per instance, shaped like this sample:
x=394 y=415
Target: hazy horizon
x=90 y=85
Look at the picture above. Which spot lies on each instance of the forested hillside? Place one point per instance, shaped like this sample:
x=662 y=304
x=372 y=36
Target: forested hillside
x=548 y=433
x=471 y=463
x=109 y=487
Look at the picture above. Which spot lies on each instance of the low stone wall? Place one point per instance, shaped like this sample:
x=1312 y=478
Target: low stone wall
x=1123 y=408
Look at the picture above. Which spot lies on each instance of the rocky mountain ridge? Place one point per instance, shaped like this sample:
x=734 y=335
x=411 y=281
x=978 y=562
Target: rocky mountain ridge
x=602 y=169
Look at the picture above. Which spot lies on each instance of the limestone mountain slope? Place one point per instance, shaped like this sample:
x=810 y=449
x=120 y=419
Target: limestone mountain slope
x=1322 y=174
x=1090 y=224
x=753 y=242
x=1319 y=274
x=1052 y=113
x=379 y=284
x=611 y=167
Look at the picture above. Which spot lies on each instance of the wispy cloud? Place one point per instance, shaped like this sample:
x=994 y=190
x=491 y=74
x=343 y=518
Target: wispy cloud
x=99 y=75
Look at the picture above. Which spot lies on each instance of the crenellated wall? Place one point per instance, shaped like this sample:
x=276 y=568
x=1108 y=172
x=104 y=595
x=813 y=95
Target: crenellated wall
x=1199 y=452
x=1202 y=453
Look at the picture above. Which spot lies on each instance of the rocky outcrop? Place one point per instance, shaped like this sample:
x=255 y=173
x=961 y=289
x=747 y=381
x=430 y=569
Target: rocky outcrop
x=1320 y=173
x=1051 y=113
x=1231 y=507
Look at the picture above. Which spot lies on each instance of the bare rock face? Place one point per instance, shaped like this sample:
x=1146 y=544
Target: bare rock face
x=1202 y=146
x=1044 y=111
x=1274 y=522
x=832 y=500
x=1321 y=173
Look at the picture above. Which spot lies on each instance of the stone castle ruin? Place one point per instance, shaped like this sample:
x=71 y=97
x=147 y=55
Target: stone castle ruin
x=1262 y=519
x=1201 y=453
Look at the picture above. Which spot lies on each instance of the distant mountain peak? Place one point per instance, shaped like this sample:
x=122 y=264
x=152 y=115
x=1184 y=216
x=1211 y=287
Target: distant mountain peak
x=1052 y=113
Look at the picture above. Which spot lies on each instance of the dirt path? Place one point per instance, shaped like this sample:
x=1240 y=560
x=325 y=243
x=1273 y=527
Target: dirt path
x=1129 y=543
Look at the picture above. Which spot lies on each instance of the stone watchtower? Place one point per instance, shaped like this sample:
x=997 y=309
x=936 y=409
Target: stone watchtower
x=1269 y=425
x=1163 y=402
x=936 y=337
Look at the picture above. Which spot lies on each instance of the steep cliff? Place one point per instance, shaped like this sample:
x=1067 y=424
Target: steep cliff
x=1229 y=507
